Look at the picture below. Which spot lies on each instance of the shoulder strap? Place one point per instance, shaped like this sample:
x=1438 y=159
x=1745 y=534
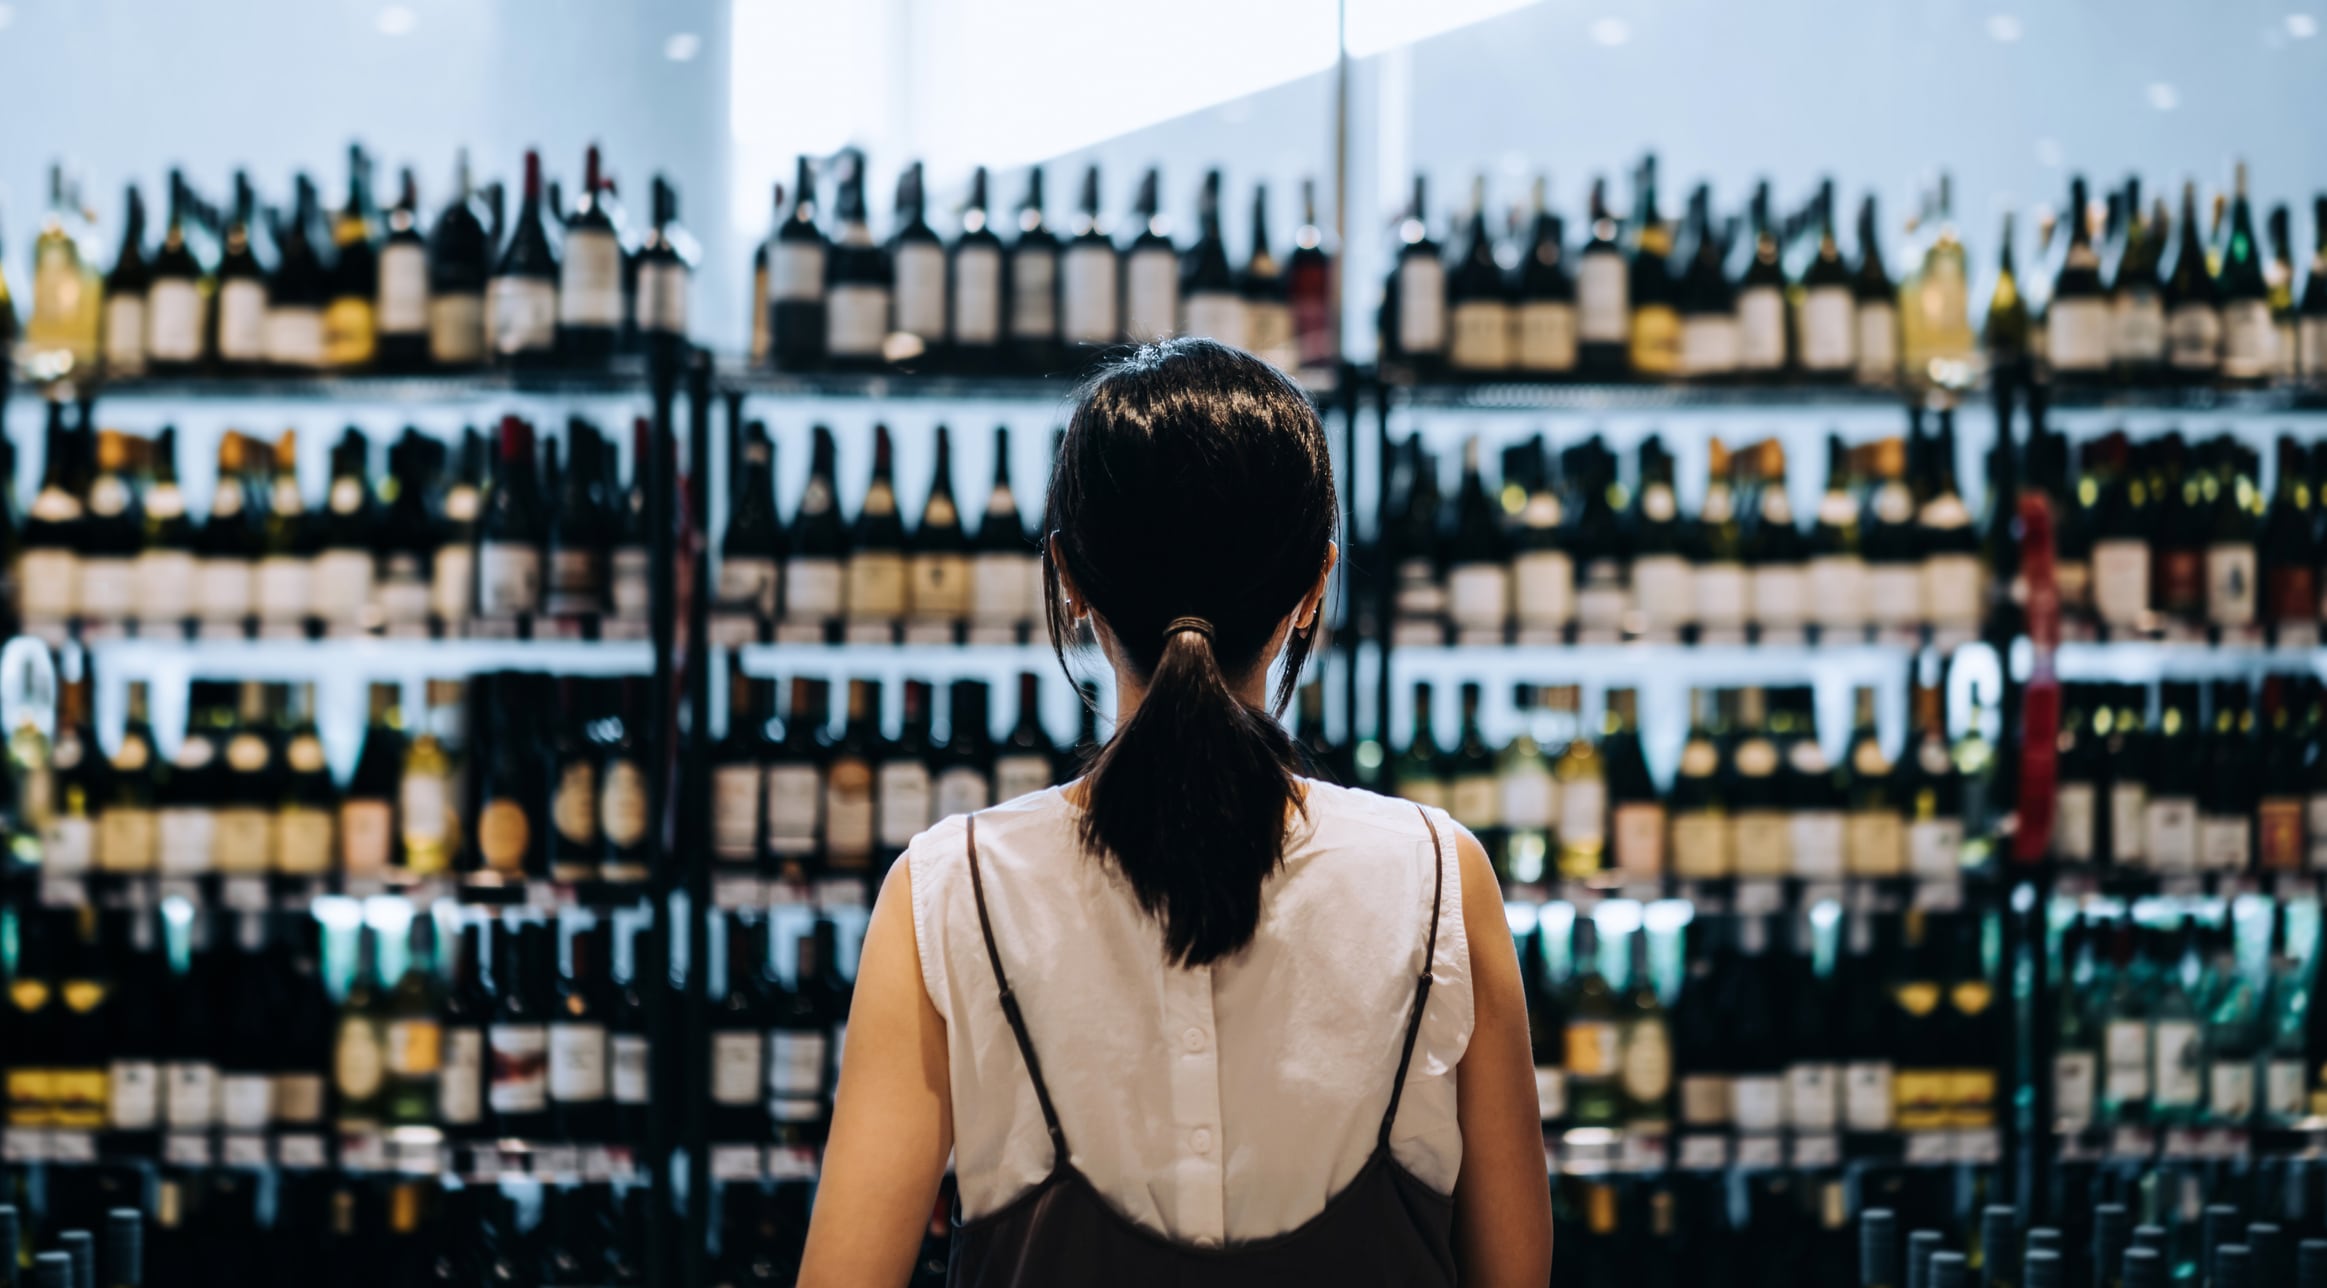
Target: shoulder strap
x=1421 y=985
x=1010 y=1011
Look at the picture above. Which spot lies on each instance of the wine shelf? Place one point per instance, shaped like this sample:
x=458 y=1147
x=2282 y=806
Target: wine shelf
x=362 y=657
x=399 y=1151
x=1618 y=397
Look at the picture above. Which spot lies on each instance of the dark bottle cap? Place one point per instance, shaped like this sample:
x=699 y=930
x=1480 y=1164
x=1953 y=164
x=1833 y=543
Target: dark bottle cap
x=81 y=1246
x=2144 y=1268
x=1947 y=1270
x=1922 y=1245
x=125 y=1248
x=2112 y=1231
x=2233 y=1266
x=2222 y=1224
x=52 y=1270
x=2268 y=1242
x=1878 y=1246
x=1999 y=1222
x=2151 y=1237
x=11 y=1230
x=2044 y=1237
x=2041 y=1270
x=2311 y=1264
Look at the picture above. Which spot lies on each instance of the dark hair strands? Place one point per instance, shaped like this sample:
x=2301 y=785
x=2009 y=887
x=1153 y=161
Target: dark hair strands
x=1194 y=480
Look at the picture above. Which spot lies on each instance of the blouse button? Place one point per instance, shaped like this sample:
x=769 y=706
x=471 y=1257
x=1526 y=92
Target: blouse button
x=1200 y=1140
x=1193 y=1039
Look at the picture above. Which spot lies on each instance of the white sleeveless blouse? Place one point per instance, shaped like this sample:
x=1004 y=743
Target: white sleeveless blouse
x=1222 y=1103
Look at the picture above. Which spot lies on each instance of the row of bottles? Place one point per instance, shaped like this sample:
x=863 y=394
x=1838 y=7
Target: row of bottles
x=775 y=1042
x=2158 y=1229
x=1754 y=794
x=262 y=1029
x=299 y=290
x=827 y=295
x=1769 y=296
x=511 y=776
x=440 y=543
x=1560 y=546
x=869 y=579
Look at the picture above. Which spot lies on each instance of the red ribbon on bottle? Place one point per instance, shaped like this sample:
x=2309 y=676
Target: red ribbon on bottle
x=2040 y=698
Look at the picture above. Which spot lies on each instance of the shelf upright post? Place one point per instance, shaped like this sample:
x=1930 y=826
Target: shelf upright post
x=1383 y=576
x=662 y=617
x=694 y=815
x=1348 y=399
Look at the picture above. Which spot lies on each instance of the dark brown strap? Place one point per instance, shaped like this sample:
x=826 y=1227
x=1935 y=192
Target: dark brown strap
x=1422 y=985
x=1010 y=1012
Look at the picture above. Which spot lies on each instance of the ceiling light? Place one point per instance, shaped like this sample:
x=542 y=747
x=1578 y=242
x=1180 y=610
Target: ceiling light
x=2301 y=26
x=682 y=47
x=2163 y=96
x=397 y=20
x=1611 y=32
x=2003 y=28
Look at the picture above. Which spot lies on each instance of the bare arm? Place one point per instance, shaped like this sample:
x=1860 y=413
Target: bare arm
x=1502 y=1198
x=892 y=1124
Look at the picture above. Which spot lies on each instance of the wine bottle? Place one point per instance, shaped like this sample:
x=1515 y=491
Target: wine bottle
x=1478 y=302
x=858 y=279
x=1761 y=297
x=849 y=820
x=367 y=812
x=751 y=550
x=359 y=1045
x=2227 y=795
x=666 y=272
x=919 y=333
x=1710 y=338
x=126 y=840
x=2169 y=820
x=1005 y=572
x=1023 y=763
x=1526 y=794
x=1211 y=300
x=307 y=802
x=517 y=1036
x=460 y=261
x=1416 y=300
x=111 y=532
x=1603 y=304
x=590 y=311
x=578 y=1037
x=1698 y=812
x=793 y=786
x=975 y=300
x=1266 y=287
x=246 y=1090
x=467 y=1008
x=351 y=320
x=796 y=275
x=736 y=771
x=124 y=332
x=509 y=535
x=902 y=785
x=630 y=554
x=243 y=823
x=1473 y=794
x=1151 y=268
x=453 y=567
x=176 y=313
x=1878 y=309
x=1544 y=345
x=574 y=754
x=2078 y=323
x=1581 y=772
x=1478 y=565
x=1593 y=1038
x=1661 y=589
x=1309 y=272
x=1546 y=1027
x=800 y=1048
x=1825 y=330
x=1090 y=282
x=1655 y=331
x=166 y=568
x=1644 y=1044
x=1700 y=1038
x=346 y=539
x=1777 y=599
x=2193 y=315
x=938 y=583
x=521 y=298
x=286 y=566
x=1874 y=841
x=2279 y=274
x=739 y=1037
x=815 y=577
x=49 y=567
x=299 y=289
x=61 y=335
x=1033 y=304
x=2007 y=333
x=1636 y=814
x=1951 y=594
x=1760 y=834
x=401 y=305
x=2311 y=316
x=1716 y=550
x=2249 y=339
x=874 y=594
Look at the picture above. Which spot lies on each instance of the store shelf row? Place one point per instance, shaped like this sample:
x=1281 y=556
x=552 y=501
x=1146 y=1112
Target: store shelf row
x=403 y=1151
x=1601 y=1151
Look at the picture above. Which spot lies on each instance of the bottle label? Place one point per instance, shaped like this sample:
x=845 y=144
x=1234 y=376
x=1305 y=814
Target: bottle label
x=2170 y=833
x=662 y=297
x=1662 y=590
x=876 y=586
x=1034 y=293
x=1895 y=594
x=1719 y=592
x=2249 y=341
x=126 y=839
x=2193 y=337
x=48 y=582
x=937 y=587
x=1709 y=344
x=1430 y=792
x=457 y=1101
x=2072 y=822
x=793 y=795
x=1551 y=1092
x=2230 y=584
x=108 y=588
x=920 y=290
x=1935 y=847
x=1761 y=327
x=2121 y=580
x=351 y=336
x=521 y=314
x=848 y=814
x=1647 y=1072
x=747 y=584
x=2230 y=1091
x=367 y=836
x=1016 y=776
x=243 y=840
x=520 y=1079
x=856 y=320
x=190 y=1094
x=1878 y=342
x=173 y=319
x=1825 y=324
x=1592 y=1049
x=1874 y=843
x=132 y=1095
x=620 y=804
x=2176 y=1068
x=2311 y=339
x=294 y=336
x=1547 y=336
x=508 y=579
x=1268 y=325
x=166 y=583
x=1603 y=309
x=735 y=1067
x=342 y=584
x=185 y=831
x=1757 y=1102
x=1867 y=1100
x=68 y=843
x=1543 y=584
x=814 y=588
x=1478 y=596
x=1813 y=1097
x=2282 y=1089
x=403 y=296
x=796 y=1063
x=627 y=584
x=977 y=295
x=1951 y=590
x=224 y=589
x=1760 y=841
x=1526 y=795
x=2137 y=328
x=1704 y=1100
x=1217 y=315
x=735 y=808
x=628 y=1058
x=2078 y=335
x=285 y=588
x=303 y=841
x=2315 y=826
x=174 y=322
x=1817 y=838
x=1421 y=304
x=415 y=1048
x=589 y=291
x=904 y=796
x=1472 y=799
x=425 y=802
x=1151 y=294
x=1700 y=845
x=573 y=806
x=2129 y=824
x=456 y=329
x=795 y=271
x=2225 y=844
x=1092 y=314
x=1481 y=336
x=504 y=834
x=962 y=791
x=124 y=335
x=1779 y=595
x=2278 y=827
x=577 y=1063
x=997 y=586
x=2075 y=1080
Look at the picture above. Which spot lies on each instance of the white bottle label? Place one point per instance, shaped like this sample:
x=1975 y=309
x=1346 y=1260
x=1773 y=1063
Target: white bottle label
x=997 y=583
x=977 y=295
x=1473 y=800
x=2121 y=580
x=2078 y=334
x=186 y=833
x=2230 y=1090
x=2230 y=589
x=2075 y=1081
x=108 y=588
x=190 y=1094
x=1709 y=344
x=1866 y=1096
x=1478 y=596
x=794 y=793
x=1547 y=336
x=1217 y=315
x=456 y=329
x=1481 y=336
x=813 y=589
x=796 y=1063
x=795 y=271
x=1719 y=592
x=457 y=1101
x=2170 y=833
x=1527 y=795
x=1421 y=305
x=133 y=1100
x=68 y=844
x=1895 y=594
x=1878 y=343
x=2225 y=844
x=1543 y=584
x=1817 y=844
x=342 y=585
x=1151 y=294
x=2129 y=823
x=1761 y=841
x=1640 y=837
x=905 y=799
x=662 y=297
x=1551 y=1092
x=1838 y=591
x=1016 y=776
x=2311 y=343
x=1813 y=1097
x=508 y=579
x=628 y=1057
x=1583 y=812
x=124 y=335
x=165 y=585
x=294 y=336
x=1661 y=589
x=2176 y=1073
x=2137 y=328
x=2283 y=1088
x=735 y=807
x=1761 y=326
x=521 y=315
x=1092 y=314
x=1780 y=596
x=1757 y=1102
x=1874 y=843
x=590 y=279
x=1603 y=312
x=920 y=290
x=856 y=319
x=1268 y=332
x=735 y=1067
x=246 y=1101
x=577 y=1063
x=403 y=301
x=2249 y=343
x=520 y=1078
x=174 y=319
x=2193 y=337
x=1951 y=589
x=961 y=791
x=747 y=584
x=1935 y=847
x=2072 y=822
x=1826 y=329
x=242 y=321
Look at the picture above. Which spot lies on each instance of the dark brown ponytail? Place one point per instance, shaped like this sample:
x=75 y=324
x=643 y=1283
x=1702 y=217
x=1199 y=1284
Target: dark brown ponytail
x=1191 y=507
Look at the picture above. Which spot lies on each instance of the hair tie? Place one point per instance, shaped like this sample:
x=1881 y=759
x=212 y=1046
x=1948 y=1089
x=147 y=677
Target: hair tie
x=1196 y=624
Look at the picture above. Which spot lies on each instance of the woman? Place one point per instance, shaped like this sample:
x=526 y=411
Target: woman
x=1172 y=1021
